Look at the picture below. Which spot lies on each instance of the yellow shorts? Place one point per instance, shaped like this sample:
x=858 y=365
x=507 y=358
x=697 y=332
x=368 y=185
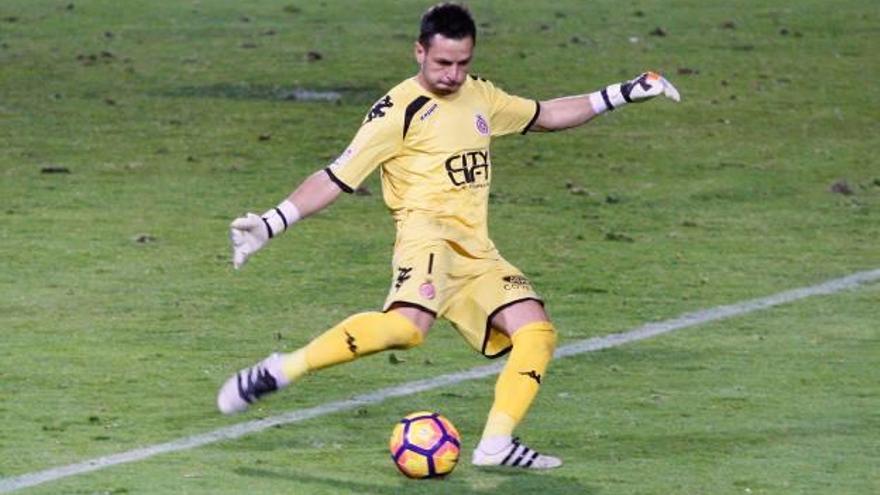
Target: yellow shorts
x=443 y=279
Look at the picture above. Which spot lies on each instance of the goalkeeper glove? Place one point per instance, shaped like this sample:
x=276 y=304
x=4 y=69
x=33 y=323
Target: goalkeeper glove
x=251 y=232
x=642 y=88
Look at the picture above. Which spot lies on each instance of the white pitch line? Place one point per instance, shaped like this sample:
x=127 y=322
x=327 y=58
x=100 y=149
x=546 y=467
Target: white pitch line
x=588 y=345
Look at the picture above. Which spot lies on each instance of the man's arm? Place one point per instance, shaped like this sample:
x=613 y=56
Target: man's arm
x=251 y=232
x=572 y=111
x=563 y=113
x=315 y=193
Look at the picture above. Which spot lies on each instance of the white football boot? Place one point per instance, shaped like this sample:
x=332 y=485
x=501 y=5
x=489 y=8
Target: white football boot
x=248 y=385
x=515 y=455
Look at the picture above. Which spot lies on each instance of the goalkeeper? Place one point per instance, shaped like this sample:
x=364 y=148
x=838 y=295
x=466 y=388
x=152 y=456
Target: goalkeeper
x=430 y=138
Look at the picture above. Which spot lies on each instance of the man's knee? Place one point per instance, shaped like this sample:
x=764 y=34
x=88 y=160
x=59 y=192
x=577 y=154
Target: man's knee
x=419 y=317
x=539 y=336
x=517 y=315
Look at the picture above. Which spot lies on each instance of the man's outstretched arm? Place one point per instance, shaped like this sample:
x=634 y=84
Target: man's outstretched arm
x=572 y=111
x=315 y=193
x=251 y=232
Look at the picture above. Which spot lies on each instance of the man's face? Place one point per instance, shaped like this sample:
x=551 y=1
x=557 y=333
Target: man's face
x=445 y=64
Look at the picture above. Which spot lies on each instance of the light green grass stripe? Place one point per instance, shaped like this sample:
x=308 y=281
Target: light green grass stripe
x=588 y=345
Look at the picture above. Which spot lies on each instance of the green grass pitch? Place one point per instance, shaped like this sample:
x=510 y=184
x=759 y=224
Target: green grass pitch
x=133 y=132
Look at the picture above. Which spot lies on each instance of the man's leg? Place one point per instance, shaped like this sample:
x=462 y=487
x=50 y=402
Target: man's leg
x=359 y=335
x=534 y=340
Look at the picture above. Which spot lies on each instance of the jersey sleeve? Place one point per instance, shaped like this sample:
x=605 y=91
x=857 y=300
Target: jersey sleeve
x=510 y=113
x=379 y=139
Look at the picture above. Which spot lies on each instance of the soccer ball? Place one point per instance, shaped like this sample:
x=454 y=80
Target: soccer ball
x=425 y=445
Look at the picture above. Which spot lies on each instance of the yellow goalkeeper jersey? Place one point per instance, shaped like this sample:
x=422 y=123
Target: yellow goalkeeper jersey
x=433 y=155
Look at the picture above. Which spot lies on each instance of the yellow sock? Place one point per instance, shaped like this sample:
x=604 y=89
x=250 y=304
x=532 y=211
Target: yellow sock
x=519 y=381
x=358 y=335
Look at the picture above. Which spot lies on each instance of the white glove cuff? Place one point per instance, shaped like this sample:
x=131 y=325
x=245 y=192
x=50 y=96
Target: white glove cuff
x=609 y=98
x=281 y=217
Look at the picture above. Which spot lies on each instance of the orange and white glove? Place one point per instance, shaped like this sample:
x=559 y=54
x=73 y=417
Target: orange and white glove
x=642 y=88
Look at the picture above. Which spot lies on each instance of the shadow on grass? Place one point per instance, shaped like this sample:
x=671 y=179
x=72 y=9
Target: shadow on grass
x=513 y=482
x=246 y=91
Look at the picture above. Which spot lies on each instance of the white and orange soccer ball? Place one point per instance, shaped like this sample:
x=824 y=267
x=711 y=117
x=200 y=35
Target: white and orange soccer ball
x=425 y=444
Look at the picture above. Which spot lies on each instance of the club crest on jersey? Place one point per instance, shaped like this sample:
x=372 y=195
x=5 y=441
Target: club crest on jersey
x=427 y=290
x=482 y=125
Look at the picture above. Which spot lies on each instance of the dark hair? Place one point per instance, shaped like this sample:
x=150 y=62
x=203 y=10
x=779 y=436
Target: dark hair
x=451 y=20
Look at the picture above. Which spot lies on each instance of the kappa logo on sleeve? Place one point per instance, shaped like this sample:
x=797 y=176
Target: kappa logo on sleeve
x=378 y=110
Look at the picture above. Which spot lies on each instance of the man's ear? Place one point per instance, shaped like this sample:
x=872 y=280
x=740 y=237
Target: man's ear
x=420 y=52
